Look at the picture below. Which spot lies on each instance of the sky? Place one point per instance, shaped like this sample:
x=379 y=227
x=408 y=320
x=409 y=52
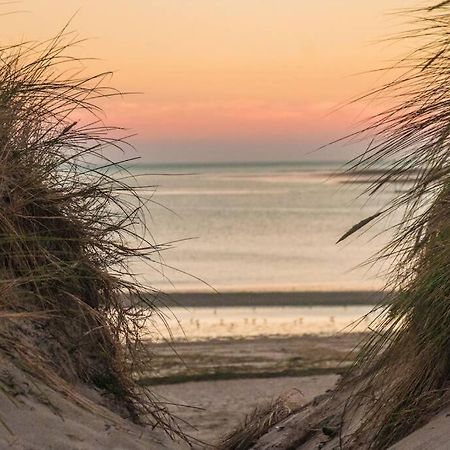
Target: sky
x=226 y=80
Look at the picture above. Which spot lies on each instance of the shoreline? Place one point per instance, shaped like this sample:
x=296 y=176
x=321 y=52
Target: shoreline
x=253 y=299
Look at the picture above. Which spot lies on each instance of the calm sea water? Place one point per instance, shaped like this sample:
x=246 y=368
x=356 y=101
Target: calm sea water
x=247 y=322
x=258 y=227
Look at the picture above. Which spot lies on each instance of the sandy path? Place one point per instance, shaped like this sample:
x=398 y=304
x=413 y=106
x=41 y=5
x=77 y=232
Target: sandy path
x=224 y=403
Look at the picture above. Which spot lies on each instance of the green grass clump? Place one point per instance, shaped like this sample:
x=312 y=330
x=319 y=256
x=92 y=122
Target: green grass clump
x=70 y=223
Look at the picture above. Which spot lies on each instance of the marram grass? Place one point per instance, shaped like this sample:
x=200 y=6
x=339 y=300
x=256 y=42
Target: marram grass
x=70 y=223
x=406 y=361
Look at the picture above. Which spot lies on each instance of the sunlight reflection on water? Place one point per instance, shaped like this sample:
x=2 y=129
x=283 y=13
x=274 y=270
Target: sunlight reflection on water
x=201 y=323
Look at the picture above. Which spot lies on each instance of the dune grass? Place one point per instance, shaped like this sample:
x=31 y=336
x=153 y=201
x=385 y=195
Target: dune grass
x=256 y=424
x=407 y=359
x=71 y=221
x=402 y=373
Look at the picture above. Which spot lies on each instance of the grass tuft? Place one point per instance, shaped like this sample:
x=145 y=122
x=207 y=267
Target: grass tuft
x=71 y=221
x=256 y=424
x=406 y=360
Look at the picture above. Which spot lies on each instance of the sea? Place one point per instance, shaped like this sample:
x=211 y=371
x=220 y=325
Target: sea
x=260 y=227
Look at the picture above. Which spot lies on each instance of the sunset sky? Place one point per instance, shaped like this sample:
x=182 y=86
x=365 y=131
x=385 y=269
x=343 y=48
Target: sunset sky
x=226 y=79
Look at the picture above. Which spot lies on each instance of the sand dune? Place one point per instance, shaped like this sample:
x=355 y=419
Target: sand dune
x=36 y=417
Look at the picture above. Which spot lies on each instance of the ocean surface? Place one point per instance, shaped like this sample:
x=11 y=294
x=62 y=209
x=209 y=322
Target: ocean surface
x=258 y=227
x=202 y=323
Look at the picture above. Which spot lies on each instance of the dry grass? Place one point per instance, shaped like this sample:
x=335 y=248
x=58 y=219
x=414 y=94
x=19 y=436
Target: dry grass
x=70 y=223
x=402 y=375
x=407 y=360
x=256 y=424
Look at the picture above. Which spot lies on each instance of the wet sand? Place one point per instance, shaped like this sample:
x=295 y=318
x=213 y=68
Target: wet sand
x=268 y=298
x=261 y=357
x=225 y=379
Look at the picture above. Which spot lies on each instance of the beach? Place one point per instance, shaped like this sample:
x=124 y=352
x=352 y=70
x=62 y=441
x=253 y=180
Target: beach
x=264 y=302
x=213 y=408
x=211 y=379
x=259 y=357
x=227 y=261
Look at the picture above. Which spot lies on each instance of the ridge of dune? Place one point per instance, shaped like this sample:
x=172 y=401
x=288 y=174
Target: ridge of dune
x=330 y=419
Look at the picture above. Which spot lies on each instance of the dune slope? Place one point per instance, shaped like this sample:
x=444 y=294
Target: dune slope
x=34 y=416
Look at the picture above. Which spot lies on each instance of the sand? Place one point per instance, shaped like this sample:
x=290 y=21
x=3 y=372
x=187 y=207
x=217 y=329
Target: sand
x=323 y=422
x=34 y=417
x=262 y=357
x=222 y=404
x=435 y=435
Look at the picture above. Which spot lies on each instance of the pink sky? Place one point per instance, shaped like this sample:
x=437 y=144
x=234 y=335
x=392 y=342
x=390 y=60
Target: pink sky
x=226 y=79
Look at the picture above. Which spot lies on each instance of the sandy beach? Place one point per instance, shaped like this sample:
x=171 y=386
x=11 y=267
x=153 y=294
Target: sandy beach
x=260 y=357
x=215 y=407
x=225 y=365
x=251 y=254
x=223 y=380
